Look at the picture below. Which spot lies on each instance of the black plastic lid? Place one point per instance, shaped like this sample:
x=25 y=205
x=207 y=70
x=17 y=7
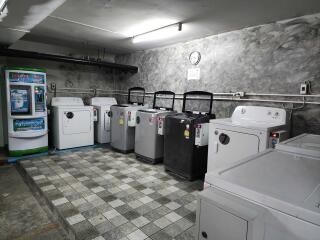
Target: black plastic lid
x=203 y=98
x=162 y=104
x=138 y=91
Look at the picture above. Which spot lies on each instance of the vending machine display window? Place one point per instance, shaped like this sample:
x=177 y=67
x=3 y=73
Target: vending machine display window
x=20 y=100
x=20 y=125
x=39 y=98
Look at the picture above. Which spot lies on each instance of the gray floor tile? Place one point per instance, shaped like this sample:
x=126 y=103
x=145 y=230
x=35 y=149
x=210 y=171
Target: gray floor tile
x=161 y=235
x=128 y=228
x=114 y=234
x=119 y=189
x=104 y=227
x=150 y=229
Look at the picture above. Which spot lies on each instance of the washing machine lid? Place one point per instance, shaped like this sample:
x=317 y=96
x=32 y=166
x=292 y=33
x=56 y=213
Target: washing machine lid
x=308 y=144
x=131 y=106
x=284 y=181
x=153 y=111
x=103 y=101
x=66 y=101
x=71 y=108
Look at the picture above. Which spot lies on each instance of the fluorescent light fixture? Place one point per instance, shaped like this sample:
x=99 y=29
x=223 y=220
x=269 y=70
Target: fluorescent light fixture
x=3 y=4
x=158 y=34
x=147 y=25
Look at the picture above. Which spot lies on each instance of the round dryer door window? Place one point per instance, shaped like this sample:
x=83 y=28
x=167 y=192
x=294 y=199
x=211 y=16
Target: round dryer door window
x=224 y=139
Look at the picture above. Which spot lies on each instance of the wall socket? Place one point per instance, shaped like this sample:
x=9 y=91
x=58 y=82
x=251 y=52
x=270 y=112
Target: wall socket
x=305 y=88
x=53 y=86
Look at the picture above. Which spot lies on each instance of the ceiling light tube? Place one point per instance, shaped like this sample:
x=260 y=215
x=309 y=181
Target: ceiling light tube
x=3 y=4
x=158 y=34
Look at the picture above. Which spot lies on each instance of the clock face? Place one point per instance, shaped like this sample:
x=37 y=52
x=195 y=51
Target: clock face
x=195 y=58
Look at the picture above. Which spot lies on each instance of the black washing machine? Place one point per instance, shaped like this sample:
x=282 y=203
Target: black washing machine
x=181 y=155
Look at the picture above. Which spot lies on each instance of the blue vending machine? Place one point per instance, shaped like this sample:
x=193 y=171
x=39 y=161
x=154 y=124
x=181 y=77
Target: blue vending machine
x=26 y=111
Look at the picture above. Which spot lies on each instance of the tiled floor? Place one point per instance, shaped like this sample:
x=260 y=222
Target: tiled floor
x=106 y=195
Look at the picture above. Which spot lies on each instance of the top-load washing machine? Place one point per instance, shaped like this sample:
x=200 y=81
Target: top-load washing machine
x=149 y=138
x=269 y=196
x=307 y=144
x=123 y=120
x=186 y=136
x=101 y=109
x=72 y=123
x=250 y=130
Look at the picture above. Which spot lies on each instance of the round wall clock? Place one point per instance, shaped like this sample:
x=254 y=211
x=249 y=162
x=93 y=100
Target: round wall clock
x=195 y=58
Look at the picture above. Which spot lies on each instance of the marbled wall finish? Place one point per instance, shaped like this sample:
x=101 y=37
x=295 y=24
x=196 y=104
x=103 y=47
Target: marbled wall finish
x=67 y=75
x=3 y=62
x=272 y=58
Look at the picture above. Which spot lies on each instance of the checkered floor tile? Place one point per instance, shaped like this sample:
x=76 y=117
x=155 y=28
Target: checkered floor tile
x=106 y=195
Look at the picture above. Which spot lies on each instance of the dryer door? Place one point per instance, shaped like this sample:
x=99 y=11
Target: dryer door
x=76 y=121
x=226 y=147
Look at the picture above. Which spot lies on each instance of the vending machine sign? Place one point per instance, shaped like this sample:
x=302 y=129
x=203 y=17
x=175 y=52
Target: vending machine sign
x=20 y=100
x=15 y=77
x=20 y=125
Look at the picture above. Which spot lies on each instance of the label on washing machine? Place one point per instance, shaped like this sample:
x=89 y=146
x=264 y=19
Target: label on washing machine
x=186 y=134
x=151 y=120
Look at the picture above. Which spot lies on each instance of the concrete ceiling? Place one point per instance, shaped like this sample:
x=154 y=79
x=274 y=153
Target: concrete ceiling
x=19 y=17
x=109 y=24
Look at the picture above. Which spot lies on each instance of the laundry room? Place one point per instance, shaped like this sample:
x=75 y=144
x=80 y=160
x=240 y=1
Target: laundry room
x=164 y=119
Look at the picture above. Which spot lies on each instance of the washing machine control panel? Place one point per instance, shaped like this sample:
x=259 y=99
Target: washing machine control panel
x=259 y=114
x=161 y=125
x=132 y=121
x=202 y=134
x=95 y=114
x=277 y=137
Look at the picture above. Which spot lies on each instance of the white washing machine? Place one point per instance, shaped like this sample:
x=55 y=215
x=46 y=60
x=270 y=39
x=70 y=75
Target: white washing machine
x=101 y=109
x=307 y=144
x=250 y=130
x=274 y=195
x=72 y=123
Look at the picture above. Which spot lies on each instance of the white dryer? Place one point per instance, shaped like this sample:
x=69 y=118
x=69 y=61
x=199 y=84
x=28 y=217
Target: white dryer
x=307 y=144
x=269 y=196
x=101 y=107
x=72 y=123
x=250 y=130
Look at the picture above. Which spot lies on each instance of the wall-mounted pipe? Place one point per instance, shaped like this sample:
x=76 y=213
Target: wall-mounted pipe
x=57 y=58
x=217 y=96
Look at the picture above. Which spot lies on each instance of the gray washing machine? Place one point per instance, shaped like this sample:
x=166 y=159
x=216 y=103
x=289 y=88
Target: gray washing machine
x=148 y=138
x=123 y=120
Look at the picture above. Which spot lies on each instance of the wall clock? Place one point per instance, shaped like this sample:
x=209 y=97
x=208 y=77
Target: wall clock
x=195 y=58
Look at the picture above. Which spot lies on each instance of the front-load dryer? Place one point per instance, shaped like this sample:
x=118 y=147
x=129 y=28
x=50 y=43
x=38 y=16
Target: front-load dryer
x=148 y=142
x=246 y=133
x=307 y=144
x=123 y=120
x=101 y=109
x=72 y=123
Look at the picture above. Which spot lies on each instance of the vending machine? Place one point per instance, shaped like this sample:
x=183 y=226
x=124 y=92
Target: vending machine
x=26 y=111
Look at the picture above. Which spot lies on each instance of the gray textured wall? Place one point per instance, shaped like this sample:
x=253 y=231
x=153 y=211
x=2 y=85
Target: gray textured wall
x=272 y=58
x=3 y=61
